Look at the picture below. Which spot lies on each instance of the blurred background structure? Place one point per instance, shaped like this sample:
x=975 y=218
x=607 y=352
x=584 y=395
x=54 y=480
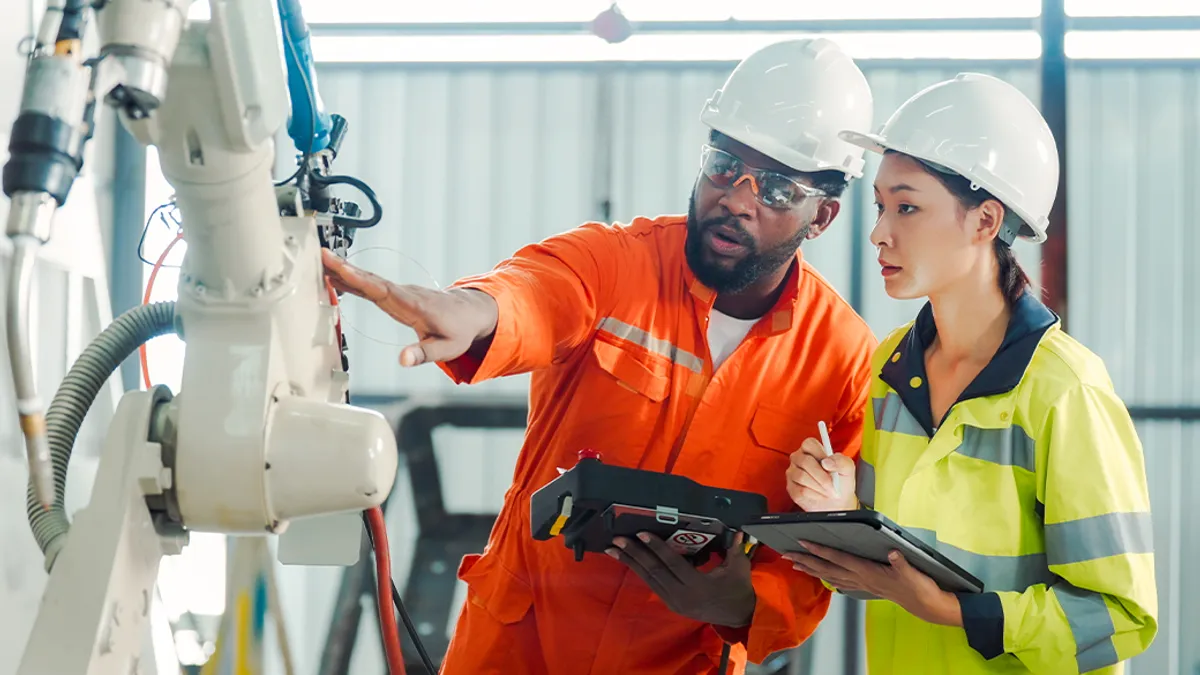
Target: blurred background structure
x=484 y=126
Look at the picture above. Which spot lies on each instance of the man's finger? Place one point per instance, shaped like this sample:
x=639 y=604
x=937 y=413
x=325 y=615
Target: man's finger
x=412 y=355
x=739 y=539
x=336 y=282
x=432 y=350
x=358 y=282
x=648 y=561
x=651 y=581
x=735 y=555
x=341 y=285
x=331 y=260
x=677 y=564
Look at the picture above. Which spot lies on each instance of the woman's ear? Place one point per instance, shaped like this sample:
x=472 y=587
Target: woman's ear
x=991 y=217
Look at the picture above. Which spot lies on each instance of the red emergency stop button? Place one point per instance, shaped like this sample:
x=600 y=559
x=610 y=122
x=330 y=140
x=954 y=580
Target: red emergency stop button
x=589 y=453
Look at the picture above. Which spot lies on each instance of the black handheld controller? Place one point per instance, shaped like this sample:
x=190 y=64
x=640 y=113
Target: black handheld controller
x=593 y=502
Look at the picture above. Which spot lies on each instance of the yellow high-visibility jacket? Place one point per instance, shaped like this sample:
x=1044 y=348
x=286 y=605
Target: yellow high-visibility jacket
x=1035 y=483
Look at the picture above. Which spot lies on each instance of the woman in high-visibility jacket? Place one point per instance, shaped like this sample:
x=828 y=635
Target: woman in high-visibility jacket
x=991 y=434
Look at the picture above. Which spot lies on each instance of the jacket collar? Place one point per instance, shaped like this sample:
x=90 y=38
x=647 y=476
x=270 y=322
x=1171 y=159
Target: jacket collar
x=780 y=319
x=904 y=370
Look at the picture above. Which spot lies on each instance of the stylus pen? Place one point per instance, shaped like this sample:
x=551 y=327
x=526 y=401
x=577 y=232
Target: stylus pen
x=837 y=483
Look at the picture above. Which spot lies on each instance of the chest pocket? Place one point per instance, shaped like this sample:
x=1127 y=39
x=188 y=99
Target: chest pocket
x=618 y=404
x=646 y=376
x=775 y=434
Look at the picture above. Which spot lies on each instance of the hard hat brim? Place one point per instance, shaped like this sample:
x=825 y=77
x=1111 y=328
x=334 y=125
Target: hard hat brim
x=871 y=142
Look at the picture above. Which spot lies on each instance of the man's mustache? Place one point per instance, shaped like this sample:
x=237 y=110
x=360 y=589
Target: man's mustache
x=733 y=227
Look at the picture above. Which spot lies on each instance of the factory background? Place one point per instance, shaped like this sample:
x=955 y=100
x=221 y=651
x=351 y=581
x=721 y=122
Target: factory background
x=483 y=136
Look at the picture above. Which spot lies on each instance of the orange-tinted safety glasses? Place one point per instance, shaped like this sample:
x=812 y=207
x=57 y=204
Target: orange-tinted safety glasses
x=772 y=188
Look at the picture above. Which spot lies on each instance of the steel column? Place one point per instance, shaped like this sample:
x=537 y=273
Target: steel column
x=1054 y=108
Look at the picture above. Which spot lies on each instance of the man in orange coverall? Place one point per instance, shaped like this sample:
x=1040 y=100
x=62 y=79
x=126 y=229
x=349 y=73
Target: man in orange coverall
x=703 y=346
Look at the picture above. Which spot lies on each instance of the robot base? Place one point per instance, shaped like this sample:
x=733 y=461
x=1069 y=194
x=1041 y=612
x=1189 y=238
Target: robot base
x=94 y=615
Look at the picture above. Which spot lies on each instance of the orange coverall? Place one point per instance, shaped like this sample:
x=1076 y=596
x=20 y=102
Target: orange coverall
x=612 y=324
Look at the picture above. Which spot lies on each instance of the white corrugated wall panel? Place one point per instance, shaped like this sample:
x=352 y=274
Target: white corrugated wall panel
x=1133 y=151
x=471 y=164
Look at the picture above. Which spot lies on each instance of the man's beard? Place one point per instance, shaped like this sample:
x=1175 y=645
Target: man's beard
x=753 y=267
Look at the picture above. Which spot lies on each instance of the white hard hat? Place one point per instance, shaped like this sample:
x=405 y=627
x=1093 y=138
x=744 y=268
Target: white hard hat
x=790 y=99
x=987 y=131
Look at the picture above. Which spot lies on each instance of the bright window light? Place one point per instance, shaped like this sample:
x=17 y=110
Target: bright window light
x=791 y=10
x=194 y=580
x=981 y=45
x=1130 y=44
x=1126 y=8
x=454 y=11
x=535 y=11
x=199 y=11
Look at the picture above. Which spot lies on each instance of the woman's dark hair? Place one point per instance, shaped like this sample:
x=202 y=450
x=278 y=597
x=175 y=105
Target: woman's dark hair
x=1013 y=280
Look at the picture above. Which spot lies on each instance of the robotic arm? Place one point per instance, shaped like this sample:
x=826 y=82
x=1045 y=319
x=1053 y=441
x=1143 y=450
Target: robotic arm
x=260 y=433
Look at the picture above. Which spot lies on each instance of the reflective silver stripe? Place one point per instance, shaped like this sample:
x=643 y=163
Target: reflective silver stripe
x=659 y=346
x=1008 y=447
x=864 y=476
x=1091 y=624
x=891 y=415
x=997 y=572
x=1099 y=537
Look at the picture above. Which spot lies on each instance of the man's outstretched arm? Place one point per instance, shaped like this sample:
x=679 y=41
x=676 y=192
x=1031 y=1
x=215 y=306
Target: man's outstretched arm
x=530 y=311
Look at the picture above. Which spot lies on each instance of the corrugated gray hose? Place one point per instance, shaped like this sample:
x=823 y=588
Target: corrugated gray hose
x=74 y=398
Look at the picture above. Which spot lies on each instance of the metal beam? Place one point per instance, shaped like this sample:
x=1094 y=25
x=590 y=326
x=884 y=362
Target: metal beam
x=1140 y=23
x=859 y=240
x=1165 y=414
x=1054 y=109
x=129 y=217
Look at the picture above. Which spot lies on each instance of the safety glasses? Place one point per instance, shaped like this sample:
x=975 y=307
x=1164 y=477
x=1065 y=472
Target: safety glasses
x=773 y=189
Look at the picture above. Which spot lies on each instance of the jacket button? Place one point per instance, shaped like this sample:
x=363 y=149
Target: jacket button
x=915 y=382
x=895 y=357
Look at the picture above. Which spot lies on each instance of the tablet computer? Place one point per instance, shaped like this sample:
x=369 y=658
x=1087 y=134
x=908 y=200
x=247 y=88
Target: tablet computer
x=864 y=533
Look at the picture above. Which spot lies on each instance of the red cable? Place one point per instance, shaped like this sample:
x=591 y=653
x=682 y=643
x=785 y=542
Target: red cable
x=146 y=300
x=387 y=608
x=383 y=560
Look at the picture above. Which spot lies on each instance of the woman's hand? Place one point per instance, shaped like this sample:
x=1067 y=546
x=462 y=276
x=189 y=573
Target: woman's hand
x=899 y=582
x=810 y=479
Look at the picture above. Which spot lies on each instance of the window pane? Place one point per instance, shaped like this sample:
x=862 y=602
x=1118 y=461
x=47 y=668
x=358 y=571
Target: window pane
x=1126 y=8
x=1116 y=44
